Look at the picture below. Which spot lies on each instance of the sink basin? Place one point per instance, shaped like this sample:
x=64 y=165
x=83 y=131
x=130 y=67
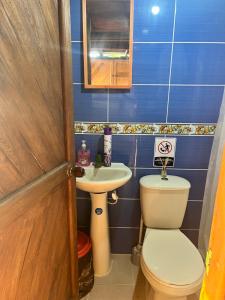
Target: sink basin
x=104 y=179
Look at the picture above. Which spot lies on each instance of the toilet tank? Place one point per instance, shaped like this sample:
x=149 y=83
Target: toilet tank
x=163 y=202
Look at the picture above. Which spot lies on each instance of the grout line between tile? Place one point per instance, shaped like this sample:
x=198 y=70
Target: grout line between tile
x=153 y=123
x=168 y=42
x=120 y=198
x=197 y=85
x=171 y=61
x=195 y=200
x=133 y=227
x=194 y=42
x=135 y=157
x=172 y=84
x=169 y=168
x=115 y=284
x=137 y=227
x=156 y=42
x=175 y=169
x=124 y=227
x=179 y=42
x=144 y=134
x=150 y=84
x=130 y=199
x=189 y=229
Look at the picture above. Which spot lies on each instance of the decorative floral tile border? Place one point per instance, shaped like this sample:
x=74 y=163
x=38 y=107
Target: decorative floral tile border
x=146 y=128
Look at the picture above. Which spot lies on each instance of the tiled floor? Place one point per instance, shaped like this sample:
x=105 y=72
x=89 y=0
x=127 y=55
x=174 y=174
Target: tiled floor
x=119 y=284
x=125 y=282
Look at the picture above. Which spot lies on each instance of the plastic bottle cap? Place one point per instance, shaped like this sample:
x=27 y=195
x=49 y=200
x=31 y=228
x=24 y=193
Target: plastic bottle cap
x=83 y=145
x=107 y=130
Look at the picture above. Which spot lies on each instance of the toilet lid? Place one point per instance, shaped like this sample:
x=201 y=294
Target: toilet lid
x=171 y=257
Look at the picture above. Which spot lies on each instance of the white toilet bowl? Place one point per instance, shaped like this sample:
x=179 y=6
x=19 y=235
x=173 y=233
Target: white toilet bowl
x=171 y=264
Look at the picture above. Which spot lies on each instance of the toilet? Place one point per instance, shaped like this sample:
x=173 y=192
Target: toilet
x=171 y=264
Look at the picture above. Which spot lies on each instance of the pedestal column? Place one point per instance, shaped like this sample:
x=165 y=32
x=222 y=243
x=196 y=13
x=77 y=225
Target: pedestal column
x=100 y=234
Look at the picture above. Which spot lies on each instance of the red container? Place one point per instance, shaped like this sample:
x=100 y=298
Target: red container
x=85 y=264
x=83 y=244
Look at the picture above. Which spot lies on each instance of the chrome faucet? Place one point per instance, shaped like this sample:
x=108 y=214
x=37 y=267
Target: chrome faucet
x=164 y=171
x=98 y=161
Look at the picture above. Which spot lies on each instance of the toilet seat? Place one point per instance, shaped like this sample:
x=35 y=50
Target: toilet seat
x=171 y=263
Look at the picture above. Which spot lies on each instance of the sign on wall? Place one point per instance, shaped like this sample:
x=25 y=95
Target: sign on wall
x=164 y=148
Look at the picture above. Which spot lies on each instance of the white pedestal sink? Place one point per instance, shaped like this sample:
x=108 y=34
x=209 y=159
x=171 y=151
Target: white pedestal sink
x=99 y=181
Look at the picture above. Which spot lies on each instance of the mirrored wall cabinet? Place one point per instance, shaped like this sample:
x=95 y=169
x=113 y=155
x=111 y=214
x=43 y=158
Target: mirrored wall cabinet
x=108 y=43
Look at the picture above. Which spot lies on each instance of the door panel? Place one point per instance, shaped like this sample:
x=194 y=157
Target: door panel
x=34 y=251
x=30 y=92
x=37 y=216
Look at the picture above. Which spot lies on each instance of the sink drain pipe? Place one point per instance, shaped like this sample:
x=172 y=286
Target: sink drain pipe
x=115 y=198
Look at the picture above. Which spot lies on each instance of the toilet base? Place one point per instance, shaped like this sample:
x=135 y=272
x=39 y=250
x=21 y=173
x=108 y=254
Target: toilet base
x=150 y=294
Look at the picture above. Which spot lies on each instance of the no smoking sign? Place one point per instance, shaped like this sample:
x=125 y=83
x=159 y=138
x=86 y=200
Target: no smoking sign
x=164 y=147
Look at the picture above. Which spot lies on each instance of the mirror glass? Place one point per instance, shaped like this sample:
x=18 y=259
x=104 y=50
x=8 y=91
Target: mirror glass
x=108 y=31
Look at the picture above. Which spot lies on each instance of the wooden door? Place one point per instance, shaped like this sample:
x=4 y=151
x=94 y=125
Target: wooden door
x=37 y=219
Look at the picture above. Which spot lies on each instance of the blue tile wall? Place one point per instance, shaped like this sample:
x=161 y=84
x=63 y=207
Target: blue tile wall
x=195 y=104
x=120 y=146
x=151 y=63
x=131 y=218
x=77 y=52
x=89 y=105
x=123 y=239
x=127 y=107
x=198 y=64
x=200 y=21
x=178 y=77
x=76 y=25
x=153 y=28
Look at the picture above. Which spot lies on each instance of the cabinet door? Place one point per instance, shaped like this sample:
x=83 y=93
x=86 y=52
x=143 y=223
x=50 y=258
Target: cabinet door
x=101 y=72
x=120 y=73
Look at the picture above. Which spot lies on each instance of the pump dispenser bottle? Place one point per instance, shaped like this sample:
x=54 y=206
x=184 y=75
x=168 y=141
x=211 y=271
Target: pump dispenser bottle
x=84 y=155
